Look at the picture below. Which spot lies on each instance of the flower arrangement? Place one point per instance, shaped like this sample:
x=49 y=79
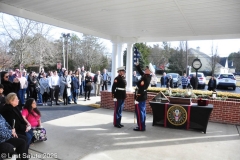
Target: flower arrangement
x=184 y=95
x=206 y=94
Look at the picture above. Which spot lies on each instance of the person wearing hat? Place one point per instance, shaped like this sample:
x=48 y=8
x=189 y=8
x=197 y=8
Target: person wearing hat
x=141 y=96
x=119 y=92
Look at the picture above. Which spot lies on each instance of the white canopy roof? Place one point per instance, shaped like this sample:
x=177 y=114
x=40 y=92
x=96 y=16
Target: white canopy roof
x=135 y=20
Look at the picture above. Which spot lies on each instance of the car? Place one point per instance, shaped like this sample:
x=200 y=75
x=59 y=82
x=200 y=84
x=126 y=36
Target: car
x=236 y=73
x=201 y=79
x=226 y=80
x=176 y=79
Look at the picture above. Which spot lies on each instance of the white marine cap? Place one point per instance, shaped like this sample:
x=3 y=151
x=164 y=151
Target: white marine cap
x=121 y=68
x=151 y=68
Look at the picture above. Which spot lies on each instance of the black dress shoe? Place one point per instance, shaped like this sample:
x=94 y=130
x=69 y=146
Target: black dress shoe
x=57 y=104
x=75 y=102
x=117 y=126
x=137 y=129
x=121 y=125
x=69 y=103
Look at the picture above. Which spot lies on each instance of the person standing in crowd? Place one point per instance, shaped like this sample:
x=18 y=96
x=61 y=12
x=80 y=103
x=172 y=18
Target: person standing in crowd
x=44 y=88
x=9 y=86
x=119 y=93
x=193 y=81
x=105 y=80
x=2 y=97
x=10 y=112
x=184 y=81
x=170 y=82
x=154 y=80
x=88 y=86
x=141 y=96
x=61 y=73
x=37 y=88
x=135 y=79
x=70 y=98
x=24 y=74
x=212 y=84
x=54 y=83
x=83 y=75
x=65 y=87
x=33 y=83
x=9 y=139
x=75 y=86
x=97 y=82
x=40 y=75
x=11 y=76
x=164 y=80
x=79 y=76
x=23 y=87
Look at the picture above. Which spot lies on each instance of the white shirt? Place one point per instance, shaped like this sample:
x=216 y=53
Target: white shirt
x=98 y=79
x=23 y=82
x=154 y=80
x=54 y=81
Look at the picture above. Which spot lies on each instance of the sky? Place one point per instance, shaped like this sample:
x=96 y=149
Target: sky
x=224 y=46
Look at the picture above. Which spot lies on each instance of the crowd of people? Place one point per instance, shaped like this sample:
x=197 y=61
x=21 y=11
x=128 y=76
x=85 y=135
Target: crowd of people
x=21 y=92
x=46 y=88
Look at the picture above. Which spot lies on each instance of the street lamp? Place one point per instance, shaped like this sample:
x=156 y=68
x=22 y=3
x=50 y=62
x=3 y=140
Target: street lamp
x=65 y=39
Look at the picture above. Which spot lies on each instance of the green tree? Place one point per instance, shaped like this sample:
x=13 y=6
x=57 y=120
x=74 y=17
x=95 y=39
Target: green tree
x=177 y=60
x=235 y=57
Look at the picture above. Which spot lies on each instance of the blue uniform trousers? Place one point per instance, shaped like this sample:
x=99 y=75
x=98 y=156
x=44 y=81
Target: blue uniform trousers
x=118 y=108
x=140 y=110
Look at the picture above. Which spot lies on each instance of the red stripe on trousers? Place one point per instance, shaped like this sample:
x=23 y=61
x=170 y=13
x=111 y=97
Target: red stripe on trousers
x=165 y=115
x=115 y=114
x=139 y=118
x=188 y=116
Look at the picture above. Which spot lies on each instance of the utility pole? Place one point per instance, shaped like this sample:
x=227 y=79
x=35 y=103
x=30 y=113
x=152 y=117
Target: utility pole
x=187 y=58
x=65 y=38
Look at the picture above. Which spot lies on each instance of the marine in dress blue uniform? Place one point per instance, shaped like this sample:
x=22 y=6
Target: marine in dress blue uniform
x=119 y=94
x=141 y=96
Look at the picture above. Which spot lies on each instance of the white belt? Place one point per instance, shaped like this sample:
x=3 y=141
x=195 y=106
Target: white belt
x=122 y=89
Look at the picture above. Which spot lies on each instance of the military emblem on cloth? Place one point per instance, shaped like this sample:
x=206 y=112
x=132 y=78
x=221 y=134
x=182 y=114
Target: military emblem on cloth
x=177 y=115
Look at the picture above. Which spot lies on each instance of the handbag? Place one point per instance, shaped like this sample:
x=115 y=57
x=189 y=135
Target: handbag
x=37 y=88
x=39 y=134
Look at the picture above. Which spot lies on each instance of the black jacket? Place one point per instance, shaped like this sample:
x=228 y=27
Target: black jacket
x=88 y=83
x=193 y=82
x=142 y=85
x=119 y=82
x=10 y=87
x=2 y=101
x=214 y=84
x=170 y=83
x=9 y=113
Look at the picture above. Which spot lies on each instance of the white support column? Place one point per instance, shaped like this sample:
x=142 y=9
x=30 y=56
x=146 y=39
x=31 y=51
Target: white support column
x=114 y=61
x=120 y=54
x=129 y=67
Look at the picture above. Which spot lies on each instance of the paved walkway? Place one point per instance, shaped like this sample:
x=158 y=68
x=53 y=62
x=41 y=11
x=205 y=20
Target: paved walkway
x=81 y=132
